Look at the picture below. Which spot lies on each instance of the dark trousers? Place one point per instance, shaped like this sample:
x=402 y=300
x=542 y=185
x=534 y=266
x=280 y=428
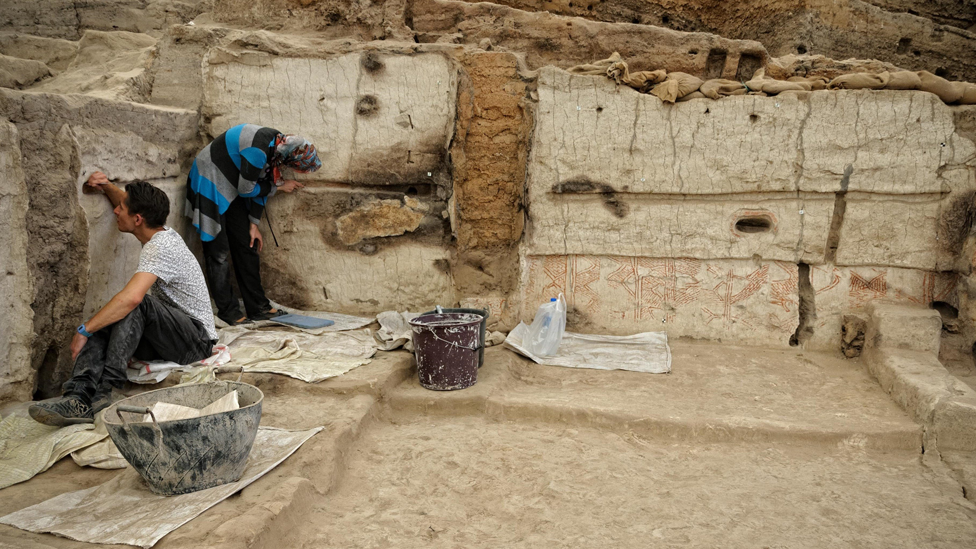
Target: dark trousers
x=233 y=242
x=152 y=331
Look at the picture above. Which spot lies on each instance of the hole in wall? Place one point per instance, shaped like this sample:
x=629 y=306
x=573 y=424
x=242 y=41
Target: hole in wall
x=45 y=375
x=599 y=109
x=665 y=18
x=947 y=311
x=807 y=310
x=801 y=49
x=903 y=46
x=753 y=118
x=941 y=71
x=753 y=224
x=411 y=191
x=715 y=63
x=367 y=105
x=749 y=63
x=635 y=21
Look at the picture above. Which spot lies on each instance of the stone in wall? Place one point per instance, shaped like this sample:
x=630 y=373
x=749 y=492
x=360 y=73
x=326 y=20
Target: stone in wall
x=66 y=138
x=16 y=375
x=732 y=301
x=844 y=290
x=375 y=119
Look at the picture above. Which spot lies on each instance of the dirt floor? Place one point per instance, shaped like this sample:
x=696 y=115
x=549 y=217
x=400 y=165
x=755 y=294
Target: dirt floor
x=737 y=447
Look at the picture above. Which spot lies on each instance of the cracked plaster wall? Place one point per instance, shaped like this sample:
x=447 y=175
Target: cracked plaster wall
x=634 y=208
x=382 y=124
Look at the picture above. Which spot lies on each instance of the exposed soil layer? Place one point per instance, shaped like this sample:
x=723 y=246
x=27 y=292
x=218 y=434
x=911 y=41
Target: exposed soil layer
x=733 y=449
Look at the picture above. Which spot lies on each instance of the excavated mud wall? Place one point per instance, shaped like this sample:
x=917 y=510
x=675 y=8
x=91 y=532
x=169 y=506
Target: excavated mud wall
x=463 y=166
x=75 y=257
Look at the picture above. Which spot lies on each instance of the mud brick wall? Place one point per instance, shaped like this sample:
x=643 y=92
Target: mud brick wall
x=723 y=220
x=371 y=231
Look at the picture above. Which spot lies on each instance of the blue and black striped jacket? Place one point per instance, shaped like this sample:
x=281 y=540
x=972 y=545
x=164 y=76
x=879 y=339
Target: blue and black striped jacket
x=234 y=164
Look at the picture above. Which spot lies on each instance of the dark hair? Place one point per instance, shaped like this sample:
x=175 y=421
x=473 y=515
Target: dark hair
x=149 y=202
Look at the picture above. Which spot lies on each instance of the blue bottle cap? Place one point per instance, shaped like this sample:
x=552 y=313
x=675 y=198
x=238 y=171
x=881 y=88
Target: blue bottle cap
x=552 y=299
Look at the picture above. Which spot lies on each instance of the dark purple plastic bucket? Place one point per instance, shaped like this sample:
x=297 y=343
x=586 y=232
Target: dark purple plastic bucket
x=446 y=346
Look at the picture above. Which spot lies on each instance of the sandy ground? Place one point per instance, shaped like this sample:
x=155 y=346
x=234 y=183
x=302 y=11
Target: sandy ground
x=467 y=482
x=738 y=447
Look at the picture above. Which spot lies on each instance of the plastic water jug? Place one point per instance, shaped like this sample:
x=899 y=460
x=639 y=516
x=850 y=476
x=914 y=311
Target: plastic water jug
x=546 y=332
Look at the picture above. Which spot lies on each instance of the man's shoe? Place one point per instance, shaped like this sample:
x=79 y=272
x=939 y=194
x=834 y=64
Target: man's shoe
x=69 y=410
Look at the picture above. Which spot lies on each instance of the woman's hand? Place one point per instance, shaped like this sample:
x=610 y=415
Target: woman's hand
x=256 y=238
x=290 y=185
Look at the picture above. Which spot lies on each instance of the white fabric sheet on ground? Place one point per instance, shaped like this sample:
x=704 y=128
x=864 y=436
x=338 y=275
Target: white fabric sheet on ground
x=124 y=510
x=645 y=352
x=103 y=454
x=28 y=447
x=395 y=330
x=310 y=358
x=150 y=372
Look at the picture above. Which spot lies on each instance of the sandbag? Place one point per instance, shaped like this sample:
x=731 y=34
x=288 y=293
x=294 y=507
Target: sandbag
x=770 y=86
x=816 y=82
x=640 y=81
x=719 y=87
x=968 y=95
x=859 y=81
x=678 y=84
x=692 y=95
x=597 y=68
x=903 y=80
x=947 y=91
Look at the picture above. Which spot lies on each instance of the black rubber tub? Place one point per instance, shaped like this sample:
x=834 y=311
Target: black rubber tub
x=186 y=455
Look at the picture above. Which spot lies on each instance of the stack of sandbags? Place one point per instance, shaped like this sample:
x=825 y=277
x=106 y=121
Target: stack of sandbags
x=676 y=86
x=719 y=87
x=770 y=86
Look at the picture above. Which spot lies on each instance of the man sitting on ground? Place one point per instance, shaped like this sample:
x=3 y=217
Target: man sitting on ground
x=173 y=322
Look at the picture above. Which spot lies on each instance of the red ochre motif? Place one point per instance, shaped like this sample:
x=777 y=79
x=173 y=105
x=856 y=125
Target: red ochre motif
x=867 y=285
x=658 y=287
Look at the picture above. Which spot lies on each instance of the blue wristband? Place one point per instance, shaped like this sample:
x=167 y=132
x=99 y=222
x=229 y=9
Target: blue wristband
x=83 y=331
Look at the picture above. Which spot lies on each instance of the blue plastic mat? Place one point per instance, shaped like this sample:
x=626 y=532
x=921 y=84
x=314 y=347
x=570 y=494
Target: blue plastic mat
x=302 y=321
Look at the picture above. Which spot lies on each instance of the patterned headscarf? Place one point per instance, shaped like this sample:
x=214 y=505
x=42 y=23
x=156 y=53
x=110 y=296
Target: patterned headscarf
x=293 y=152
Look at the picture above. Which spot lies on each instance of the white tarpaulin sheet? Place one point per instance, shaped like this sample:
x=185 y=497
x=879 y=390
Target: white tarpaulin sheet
x=310 y=358
x=646 y=352
x=395 y=330
x=124 y=510
x=28 y=447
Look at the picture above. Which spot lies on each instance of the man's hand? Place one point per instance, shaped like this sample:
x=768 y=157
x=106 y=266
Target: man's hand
x=95 y=182
x=77 y=344
x=256 y=237
x=290 y=185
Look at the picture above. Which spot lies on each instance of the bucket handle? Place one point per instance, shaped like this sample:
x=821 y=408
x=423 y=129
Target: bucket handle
x=139 y=410
x=458 y=345
x=228 y=369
